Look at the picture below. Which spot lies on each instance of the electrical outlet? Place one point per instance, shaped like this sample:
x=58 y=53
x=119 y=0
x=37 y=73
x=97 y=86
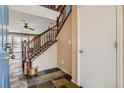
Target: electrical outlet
x=69 y=42
x=62 y=62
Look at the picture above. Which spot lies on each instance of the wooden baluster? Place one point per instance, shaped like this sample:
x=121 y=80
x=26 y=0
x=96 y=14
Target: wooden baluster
x=52 y=34
x=36 y=43
x=25 y=51
x=46 y=37
x=56 y=31
x=57 y=23
x=28 y=50
x=22 y=51
x=23 y=56
x=41 y=40
x=49 y=36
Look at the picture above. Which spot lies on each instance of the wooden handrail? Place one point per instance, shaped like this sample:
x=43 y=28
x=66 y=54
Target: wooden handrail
x=40 y=35
x=61 y=11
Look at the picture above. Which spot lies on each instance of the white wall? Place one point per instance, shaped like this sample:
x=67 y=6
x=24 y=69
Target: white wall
x=36 y=10
x=47 y=60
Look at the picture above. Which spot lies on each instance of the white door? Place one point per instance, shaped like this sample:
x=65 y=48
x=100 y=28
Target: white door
x=96 y=39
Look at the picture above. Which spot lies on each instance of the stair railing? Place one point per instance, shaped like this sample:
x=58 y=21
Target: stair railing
x=35 y=46
x=29 y=48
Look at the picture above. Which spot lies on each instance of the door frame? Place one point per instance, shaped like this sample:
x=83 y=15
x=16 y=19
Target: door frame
x=119 y=49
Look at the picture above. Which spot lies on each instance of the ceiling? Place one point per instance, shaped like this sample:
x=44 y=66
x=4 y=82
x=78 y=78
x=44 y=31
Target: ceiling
x=36 y=10
x=16 y=24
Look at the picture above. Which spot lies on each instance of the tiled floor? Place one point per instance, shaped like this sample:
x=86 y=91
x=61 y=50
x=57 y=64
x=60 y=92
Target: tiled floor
x=51 y=78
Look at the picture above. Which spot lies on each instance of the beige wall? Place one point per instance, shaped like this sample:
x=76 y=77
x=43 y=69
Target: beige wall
x=67 y=53
x=64 y=48
x=74 y=43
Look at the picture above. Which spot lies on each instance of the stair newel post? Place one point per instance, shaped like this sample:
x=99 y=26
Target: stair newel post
x=23 y=55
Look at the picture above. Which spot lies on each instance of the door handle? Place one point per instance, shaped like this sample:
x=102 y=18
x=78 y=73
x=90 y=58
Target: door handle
x=81 y=51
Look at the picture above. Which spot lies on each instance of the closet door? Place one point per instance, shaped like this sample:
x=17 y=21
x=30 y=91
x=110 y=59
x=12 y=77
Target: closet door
x=97 y=46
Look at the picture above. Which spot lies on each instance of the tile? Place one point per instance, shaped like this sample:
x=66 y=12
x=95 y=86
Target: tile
x=59 y=83
x=20 y=84
x=71 y=85
x=47 y=84
x=50 y=78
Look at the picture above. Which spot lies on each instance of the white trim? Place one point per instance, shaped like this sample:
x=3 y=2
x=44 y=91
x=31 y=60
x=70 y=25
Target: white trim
x=78 y=45
x=120 y=46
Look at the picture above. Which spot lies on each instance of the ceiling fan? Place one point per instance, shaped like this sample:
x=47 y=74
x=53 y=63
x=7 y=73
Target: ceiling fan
x=26 y=26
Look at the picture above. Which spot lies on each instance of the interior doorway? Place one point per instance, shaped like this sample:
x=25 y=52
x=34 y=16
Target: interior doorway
x=97 y=41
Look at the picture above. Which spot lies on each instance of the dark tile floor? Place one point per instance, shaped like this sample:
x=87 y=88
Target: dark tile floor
x=50 y=78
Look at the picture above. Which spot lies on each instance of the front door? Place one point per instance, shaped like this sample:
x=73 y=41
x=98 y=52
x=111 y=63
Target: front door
x=3 y=46
x=97 y=46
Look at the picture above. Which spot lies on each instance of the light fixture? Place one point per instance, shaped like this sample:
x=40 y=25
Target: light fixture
x=26 y=27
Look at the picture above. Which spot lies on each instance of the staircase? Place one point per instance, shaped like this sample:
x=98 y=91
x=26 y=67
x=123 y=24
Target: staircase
x=40 y=43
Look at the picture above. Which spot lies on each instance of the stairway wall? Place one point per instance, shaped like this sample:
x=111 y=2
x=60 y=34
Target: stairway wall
x=48 y=59
x=64 y=49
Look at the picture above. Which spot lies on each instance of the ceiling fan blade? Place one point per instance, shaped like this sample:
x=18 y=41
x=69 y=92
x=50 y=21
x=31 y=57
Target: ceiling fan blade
x=31 y=29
